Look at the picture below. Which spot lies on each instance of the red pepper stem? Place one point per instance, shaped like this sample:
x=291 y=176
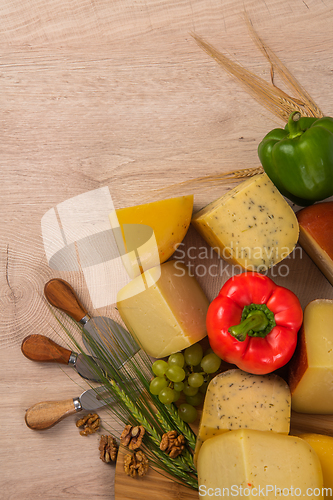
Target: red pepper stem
x=294 y=126
x=256 y=321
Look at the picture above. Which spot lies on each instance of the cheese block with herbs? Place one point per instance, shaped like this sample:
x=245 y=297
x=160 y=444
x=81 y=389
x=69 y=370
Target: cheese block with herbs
x=245 y=460
x=316 y=235
x=239 y=400
x=164 y=308
x=251 y=225
x=323 y=446
x=147 y=235
x=311 y=368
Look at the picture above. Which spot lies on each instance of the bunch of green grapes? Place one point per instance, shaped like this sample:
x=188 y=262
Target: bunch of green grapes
x=188 y=372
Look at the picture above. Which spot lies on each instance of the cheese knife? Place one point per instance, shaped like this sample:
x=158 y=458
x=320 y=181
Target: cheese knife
x=48 y=413
x=41 y=348
x=104 y=331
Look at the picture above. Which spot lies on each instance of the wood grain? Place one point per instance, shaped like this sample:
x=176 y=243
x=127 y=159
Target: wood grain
x=98 y=93
x=127 y=488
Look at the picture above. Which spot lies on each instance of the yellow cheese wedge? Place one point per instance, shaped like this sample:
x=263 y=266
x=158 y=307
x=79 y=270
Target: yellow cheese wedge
x=240 y=462
x=164 y=308
x=323 y=446
x=240 y=400
x=311 y=368
x=147 y=235
x=251 y=226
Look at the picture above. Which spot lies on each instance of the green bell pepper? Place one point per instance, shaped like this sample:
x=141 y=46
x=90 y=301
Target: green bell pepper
x=299 y=158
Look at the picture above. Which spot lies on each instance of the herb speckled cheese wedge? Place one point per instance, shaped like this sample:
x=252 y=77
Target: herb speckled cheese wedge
x=251 y=226
x=239 y=400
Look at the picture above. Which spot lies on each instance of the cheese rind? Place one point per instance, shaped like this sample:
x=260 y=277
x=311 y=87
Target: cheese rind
x=323 y=446
x=147 y=235
x=237 y=400
x=316 y=235
x=240 y=462
x=252 y=225
x=311 y=368
x=165 y=309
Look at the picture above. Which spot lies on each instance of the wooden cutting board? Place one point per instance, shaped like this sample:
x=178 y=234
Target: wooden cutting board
x=142 y=488
x=153 y=485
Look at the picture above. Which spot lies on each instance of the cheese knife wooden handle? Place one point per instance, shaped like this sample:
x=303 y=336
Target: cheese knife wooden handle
x=48 y=413
x=61 y=295
x=41 y=348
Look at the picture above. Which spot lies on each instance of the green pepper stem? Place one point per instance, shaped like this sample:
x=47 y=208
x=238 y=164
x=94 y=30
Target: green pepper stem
x=294 y=125
x=256 y=321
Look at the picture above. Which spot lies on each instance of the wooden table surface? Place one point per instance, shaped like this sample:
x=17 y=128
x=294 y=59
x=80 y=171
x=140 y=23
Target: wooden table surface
x=117 y=94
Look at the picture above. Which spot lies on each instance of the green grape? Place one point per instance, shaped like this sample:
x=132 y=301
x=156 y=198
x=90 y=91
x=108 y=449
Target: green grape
x=175 y=373
x=157 y=384
x=210 y=363
x=188 y=390
x=166 y=395
x=187 y=413
x=195 y=400
x=159 y=367
x=195 y=380
x=176 y=359
x=208 y=351
x=193 y=354
x=176 y=396
x=178 y=386
x=204 y=387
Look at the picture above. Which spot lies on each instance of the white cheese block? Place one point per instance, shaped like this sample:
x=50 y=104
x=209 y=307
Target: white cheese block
x=240 y=400
x=254 y=464
x=164 y=308
x=311 y=368
x=251 y=226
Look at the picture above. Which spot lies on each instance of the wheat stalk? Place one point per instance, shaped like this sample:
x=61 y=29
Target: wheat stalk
x=266 y=93
x=304 y=99
x=153 y=434
x=183 y=428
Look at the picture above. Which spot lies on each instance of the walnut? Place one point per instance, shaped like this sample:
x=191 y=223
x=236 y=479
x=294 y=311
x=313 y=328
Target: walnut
x=132 y=436
x=136 y=464
x=172 y=443
x=90 y=424
x=109 y=449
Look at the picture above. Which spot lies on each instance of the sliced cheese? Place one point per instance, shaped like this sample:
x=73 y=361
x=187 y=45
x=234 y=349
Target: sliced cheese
x=251 y=226
x=147 y=235
x=165 y=309
x=240 y=400
x=316 y=235
x=311 y=368
x=323 y=446
x=236 y=464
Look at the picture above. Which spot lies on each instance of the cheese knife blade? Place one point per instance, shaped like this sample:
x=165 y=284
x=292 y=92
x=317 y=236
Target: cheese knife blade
x=48 y=413
x=105 y=332
x=41 y=348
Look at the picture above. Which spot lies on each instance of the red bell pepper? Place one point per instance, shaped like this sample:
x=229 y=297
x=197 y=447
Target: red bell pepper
x=253 y=323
